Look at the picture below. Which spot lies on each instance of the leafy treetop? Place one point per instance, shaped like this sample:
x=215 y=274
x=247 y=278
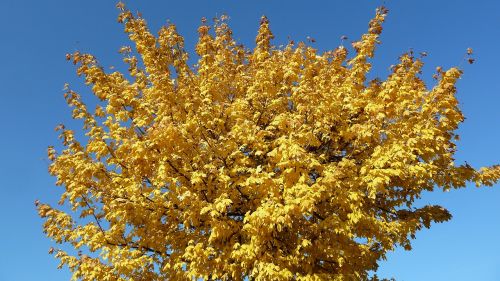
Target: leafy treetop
x=271 y=164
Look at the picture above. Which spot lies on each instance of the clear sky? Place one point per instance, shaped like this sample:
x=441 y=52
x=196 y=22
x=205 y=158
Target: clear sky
x=37 y=34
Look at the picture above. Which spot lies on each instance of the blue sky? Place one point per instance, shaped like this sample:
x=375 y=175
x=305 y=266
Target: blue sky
x=37 y=34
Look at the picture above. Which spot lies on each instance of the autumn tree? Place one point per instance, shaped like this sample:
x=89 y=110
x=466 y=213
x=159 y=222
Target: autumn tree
x=273 y=164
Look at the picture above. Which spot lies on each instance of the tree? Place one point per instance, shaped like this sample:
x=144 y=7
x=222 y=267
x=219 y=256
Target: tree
x=271 y=164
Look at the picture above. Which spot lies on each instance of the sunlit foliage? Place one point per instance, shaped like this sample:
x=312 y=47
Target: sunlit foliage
x=279 y=163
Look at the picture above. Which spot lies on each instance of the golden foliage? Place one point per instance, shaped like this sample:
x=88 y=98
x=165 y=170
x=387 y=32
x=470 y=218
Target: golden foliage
x=272 y=164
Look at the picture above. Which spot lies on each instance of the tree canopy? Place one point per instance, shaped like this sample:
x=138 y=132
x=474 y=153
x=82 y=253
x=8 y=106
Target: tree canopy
x=277 y=163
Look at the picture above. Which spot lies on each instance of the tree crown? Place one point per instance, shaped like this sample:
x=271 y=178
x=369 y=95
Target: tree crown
x=271 y=164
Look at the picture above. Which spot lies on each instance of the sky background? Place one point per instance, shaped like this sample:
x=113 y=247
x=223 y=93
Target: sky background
x=36 y=35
